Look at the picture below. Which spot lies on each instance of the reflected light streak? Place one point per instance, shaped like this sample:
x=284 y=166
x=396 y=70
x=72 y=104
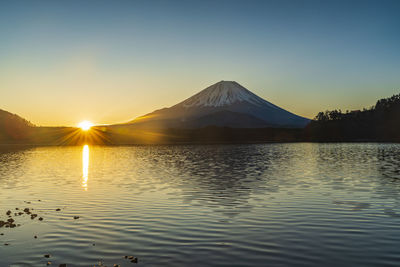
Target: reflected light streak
x=85 y=166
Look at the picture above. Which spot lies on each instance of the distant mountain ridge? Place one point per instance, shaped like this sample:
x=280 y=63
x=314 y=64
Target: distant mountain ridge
x=380 y=123
x=226 y=104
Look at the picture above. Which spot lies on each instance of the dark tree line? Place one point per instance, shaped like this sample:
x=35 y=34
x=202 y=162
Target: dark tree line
x=377 y=123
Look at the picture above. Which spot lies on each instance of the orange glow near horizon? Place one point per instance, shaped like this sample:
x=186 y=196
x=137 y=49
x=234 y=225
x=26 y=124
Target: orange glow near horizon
x=85 y=125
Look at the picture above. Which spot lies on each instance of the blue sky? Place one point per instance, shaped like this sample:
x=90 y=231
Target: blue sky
x=109 y=61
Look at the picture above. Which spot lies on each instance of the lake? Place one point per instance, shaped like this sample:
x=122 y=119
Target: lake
x=298 y=204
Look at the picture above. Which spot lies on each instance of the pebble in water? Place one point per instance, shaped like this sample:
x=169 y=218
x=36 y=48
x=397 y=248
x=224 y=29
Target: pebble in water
x=132 y=259
x=8 y=224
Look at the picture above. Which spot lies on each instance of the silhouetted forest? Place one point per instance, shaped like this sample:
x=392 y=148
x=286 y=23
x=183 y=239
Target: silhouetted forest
x=377 y=123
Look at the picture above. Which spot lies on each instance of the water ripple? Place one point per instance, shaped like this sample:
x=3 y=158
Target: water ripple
x=213 y=205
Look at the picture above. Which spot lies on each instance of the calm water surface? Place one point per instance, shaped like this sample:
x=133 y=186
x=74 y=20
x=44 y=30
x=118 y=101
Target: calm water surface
x=216 y=205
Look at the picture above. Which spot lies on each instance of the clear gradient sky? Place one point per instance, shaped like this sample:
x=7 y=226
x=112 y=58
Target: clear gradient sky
x=62 y=62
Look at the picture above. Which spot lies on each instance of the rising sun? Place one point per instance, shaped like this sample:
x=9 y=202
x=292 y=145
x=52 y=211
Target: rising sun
x=85 y=125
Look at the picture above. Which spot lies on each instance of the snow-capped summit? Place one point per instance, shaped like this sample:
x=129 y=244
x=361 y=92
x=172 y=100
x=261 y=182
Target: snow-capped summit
x=226 y=104
x=223 y=93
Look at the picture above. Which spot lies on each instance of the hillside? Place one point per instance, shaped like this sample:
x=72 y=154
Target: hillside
x=378 y=123
x=13 y=128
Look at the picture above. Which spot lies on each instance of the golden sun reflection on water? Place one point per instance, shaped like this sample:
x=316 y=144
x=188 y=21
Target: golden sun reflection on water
x=85 y=166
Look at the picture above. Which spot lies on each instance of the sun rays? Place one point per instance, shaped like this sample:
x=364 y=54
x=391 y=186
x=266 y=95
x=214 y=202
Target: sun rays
x=85 y=125
x=86 y=134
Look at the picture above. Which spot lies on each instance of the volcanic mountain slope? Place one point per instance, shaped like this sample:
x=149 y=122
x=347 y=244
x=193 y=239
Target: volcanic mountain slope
x=225 y=103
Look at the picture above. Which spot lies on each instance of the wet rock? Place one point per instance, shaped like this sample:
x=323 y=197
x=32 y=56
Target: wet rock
x=8 y=212
x=62 y=265
x=58 y=209
x=76 y=217
x=16 y=208
x=10 y=220
x=6 y=244
x=35 y=236
x=48 y=263
x=33 y=216
x=40 y=219
x=47 y=256
x=116 y=265
x=132 y=259
x=2 y=234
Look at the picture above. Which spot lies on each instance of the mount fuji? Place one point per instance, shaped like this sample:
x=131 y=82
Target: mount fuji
x=224 y=104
